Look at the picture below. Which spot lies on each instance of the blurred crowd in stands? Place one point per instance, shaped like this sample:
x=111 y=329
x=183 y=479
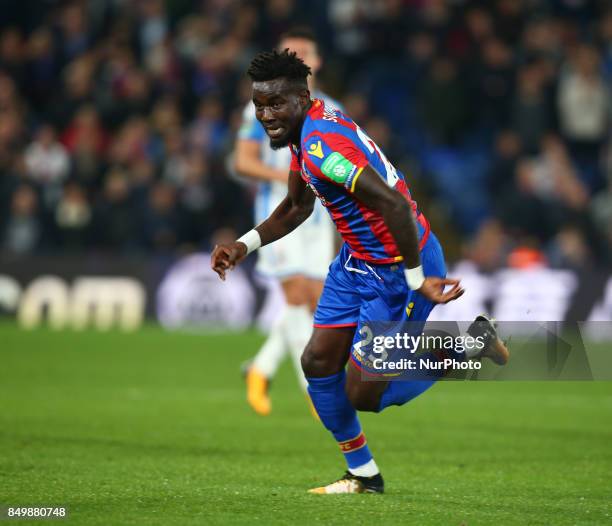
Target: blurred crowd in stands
x=117 y=119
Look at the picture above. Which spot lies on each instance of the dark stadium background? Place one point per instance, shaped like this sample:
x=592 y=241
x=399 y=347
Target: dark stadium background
x=118 y=117
x=117 y=120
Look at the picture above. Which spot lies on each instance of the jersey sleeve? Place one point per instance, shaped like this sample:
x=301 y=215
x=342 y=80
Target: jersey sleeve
x=250 y=128
x=334 y=157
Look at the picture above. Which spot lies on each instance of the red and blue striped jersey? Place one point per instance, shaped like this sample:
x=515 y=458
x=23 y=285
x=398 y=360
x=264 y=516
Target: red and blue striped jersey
x=333 y=152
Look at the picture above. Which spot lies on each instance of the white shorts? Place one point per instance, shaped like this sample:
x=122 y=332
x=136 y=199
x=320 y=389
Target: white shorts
x=307 y=251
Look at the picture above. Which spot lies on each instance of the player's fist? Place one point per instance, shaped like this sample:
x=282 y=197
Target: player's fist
x=226 y=256
x=433 y=289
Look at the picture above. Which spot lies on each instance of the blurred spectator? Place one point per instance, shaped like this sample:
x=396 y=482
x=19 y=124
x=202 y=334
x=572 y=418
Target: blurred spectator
x=541 y=39
x=78 y=91
x=488 y=246
x=9 y=100
x=131 y=100
x=194 y=36
x=531 y=115
x=23 y=231
x=42 y=67
x=277 y=17
x=509 y=19
x=387 y=27
x=74 y=32
x=131 y=143
x=164 y=66
x=444 y=101
x=348 y=17
x=196 y=198
x=163 y=230
x=152 y=24
x=174 y=165
x=507 y=150
x=73 y=218
x=12 y=116
x=584 y=108
x=46 y=158
x=87 y=142
x=12 y=54
x=493 y=82
x=546 y=193
x=551 y=176
x=420 y=49
x=208 y=131
x=113 y=217
x=569 y=249
x=605 y=40
x=478 y=30
x=436 y=17
x=85 y=132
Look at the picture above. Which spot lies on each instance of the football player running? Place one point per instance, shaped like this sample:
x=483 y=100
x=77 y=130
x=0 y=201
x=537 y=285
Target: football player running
x=390 y=257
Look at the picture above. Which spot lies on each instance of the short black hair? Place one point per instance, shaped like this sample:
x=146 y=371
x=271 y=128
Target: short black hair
x=271 y=65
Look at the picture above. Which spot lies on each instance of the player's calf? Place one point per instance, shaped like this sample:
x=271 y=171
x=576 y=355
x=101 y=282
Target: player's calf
x=323 y=362
x=364 y=396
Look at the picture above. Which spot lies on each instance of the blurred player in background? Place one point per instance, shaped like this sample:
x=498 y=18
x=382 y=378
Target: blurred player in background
x=300 y=260
x=390 y=268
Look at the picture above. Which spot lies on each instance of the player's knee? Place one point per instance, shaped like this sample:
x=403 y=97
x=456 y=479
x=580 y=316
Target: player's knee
x=310 y=361
x=316 y=361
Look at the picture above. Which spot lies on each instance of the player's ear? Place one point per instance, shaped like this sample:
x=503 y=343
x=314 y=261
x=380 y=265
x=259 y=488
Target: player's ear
x=304 y=97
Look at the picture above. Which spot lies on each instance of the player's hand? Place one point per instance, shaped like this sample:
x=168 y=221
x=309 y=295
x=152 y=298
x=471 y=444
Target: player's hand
x=433 y=289
x=226 y=256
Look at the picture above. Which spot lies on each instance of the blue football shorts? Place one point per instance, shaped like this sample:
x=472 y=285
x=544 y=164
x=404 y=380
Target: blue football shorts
x=358 y=292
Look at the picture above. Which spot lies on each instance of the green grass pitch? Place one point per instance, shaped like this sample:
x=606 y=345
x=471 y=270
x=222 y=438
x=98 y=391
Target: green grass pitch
x=152 y=429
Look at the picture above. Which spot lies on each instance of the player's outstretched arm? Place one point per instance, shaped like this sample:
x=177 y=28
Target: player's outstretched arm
x=288 y=215
x=397 y=214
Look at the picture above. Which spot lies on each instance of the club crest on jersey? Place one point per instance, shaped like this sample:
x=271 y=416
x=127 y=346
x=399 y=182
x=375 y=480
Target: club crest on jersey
x=316 y=150
x=329 y=114
x=338 y=168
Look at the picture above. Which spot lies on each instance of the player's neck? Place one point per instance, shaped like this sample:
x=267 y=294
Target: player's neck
x=298 y=136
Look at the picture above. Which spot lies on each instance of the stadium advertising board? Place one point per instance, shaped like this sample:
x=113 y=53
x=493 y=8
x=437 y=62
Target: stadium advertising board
x=104 y=293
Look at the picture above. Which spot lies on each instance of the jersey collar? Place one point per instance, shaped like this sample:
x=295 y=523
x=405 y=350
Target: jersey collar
x=316 y=106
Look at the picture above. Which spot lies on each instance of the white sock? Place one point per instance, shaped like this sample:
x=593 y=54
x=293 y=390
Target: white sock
x=369 y=469
x=298 y=329
x=273 y=351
